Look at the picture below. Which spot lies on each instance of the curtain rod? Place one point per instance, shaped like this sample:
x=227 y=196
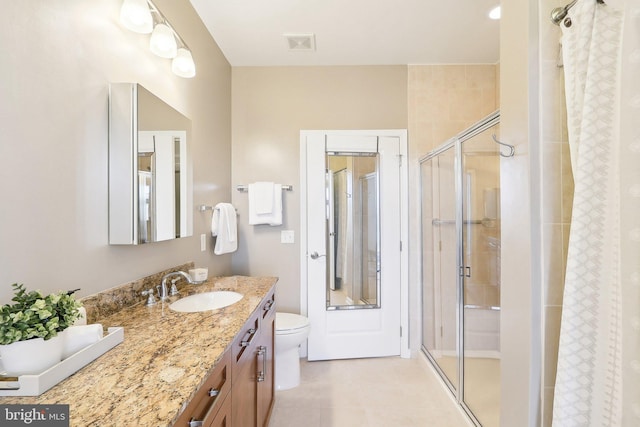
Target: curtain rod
x=559 y=13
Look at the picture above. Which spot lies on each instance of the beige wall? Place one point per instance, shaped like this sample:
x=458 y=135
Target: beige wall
x=270 y=107
x=58 y=58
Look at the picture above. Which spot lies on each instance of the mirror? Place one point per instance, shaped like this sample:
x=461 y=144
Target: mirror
x=353 y=238
x=149 y=177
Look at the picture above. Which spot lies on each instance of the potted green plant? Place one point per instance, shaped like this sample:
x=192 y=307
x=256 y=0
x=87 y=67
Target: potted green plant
x=29 y=329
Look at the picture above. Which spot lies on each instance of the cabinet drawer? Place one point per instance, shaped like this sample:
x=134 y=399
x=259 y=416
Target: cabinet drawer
x=223 y=418
x=210 y=396
x=269 y=305
x=245 y=341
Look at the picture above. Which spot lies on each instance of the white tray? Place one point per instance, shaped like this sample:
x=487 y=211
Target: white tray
x=35 y=385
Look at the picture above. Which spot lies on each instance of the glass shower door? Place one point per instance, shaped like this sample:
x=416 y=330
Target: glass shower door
x=439 y=259
x=481 y=276
x=460 y=189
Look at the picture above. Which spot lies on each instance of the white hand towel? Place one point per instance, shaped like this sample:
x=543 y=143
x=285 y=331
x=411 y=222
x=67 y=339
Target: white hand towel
x=215 y=222
x=261 y=197
x=276 y=217
x=75 y=338
x=224 y=225
x=258 y=193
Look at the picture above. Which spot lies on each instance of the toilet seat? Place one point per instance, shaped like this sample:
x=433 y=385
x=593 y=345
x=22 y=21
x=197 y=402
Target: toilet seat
x=289 y=323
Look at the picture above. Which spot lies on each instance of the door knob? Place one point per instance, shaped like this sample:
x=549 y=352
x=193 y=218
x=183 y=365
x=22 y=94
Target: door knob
x=315 y=255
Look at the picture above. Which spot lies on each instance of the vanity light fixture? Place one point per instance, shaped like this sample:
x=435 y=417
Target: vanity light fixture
x=495 y=13
x=136 y=16
x=162 y=42
x=183 y=65
x=142 y=16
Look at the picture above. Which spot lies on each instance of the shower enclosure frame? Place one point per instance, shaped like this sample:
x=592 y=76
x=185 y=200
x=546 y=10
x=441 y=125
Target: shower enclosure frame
x=455 y=143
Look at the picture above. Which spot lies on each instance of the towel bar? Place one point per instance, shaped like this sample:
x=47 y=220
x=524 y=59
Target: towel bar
x=245 y=188
x=204 y=208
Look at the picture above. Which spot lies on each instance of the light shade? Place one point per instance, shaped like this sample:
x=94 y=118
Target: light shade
x=162 y=42
x=136 y=16
x=183 y=64
x=495 y=13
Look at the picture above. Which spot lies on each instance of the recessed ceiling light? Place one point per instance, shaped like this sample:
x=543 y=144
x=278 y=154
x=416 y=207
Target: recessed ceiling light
x=495 y=13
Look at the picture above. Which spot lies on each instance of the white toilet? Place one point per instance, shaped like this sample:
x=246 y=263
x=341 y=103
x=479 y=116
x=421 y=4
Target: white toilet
x=291 y=331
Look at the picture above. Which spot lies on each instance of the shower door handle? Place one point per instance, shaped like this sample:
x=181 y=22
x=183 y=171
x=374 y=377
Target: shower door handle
x=315 y=255
x=465 y=271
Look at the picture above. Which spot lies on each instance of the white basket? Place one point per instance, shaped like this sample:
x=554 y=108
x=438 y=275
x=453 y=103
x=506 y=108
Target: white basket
x=35 y=385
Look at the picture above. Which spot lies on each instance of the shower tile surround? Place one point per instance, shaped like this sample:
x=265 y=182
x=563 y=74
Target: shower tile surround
x=163 y=359
x=557 y=198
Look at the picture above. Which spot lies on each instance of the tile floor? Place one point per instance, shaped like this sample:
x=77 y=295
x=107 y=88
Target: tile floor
x=482 y=386
x=389 y=392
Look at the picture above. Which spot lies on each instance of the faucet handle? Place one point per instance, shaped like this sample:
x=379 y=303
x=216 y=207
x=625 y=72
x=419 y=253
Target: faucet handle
x=174 y=288
x=151 y=300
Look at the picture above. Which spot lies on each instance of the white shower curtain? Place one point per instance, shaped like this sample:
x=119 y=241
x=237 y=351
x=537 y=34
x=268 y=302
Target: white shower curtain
x=630 y=214
x=589 y=388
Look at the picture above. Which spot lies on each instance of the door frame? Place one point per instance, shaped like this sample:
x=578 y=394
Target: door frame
x=405 y=350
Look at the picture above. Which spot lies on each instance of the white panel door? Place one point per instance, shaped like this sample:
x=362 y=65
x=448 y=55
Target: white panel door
x=357 y=332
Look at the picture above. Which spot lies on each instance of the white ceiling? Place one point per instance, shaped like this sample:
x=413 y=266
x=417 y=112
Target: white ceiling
x=353 y=32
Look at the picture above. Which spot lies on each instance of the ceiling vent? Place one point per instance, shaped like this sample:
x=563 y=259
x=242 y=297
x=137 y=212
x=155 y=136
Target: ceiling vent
x=301 y=42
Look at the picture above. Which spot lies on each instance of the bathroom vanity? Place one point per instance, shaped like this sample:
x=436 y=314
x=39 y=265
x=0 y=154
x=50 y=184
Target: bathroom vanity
x=213 y=367
x=239 y=391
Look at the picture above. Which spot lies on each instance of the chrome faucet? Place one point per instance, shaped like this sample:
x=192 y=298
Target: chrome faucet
x=163 y=293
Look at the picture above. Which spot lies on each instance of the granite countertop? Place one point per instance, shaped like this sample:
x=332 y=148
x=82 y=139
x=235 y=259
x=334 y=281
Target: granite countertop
x=165 y=356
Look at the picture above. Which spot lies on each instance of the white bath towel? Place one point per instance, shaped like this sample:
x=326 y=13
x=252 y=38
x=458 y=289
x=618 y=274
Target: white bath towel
x=224 y=226
x=261 y=211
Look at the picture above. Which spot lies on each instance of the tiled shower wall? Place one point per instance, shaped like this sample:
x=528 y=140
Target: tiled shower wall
x=446 y=99
x=557 y=196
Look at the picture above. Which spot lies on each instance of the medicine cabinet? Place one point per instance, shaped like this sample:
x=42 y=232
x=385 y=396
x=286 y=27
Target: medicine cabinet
x=150 y=179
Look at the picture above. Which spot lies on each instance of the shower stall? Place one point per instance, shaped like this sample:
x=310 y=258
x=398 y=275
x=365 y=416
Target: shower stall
x=460 y=222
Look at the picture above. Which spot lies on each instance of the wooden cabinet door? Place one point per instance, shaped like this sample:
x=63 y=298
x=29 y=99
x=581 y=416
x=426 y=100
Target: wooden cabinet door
x=253 y=366
x=244 y=392
x=266 y=345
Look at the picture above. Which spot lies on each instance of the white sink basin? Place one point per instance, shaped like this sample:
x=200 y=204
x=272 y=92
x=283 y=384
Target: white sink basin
x=205 y=301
